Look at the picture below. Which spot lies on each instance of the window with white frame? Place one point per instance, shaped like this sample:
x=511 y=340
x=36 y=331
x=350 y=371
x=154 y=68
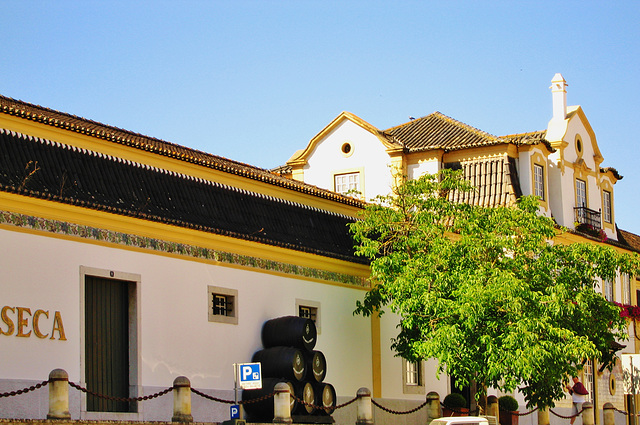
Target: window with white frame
x=626 y=288
x=608 y=289
x=223 y=305
x=587 y=370
x=581 y=193
x=347 y=184
x=606 y=206
x=538 y=181
x=412 y=379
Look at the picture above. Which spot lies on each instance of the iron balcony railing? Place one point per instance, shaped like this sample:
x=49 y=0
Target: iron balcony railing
x=588 y=217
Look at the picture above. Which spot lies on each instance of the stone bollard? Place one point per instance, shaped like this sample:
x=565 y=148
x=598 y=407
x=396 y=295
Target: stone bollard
x=543 y=416
x=363 y=406
x=609 y=414
x=493 y=409
x=182 y=400
x=59 y=395
x=433 y=407
x=587 y=413
x=282 y=404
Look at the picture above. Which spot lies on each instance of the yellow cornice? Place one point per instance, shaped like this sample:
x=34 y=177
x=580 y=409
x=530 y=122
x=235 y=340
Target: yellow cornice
x=592 y=135
x=50 y=210
x=32 y=128
x=477 y=153
x=299 y=159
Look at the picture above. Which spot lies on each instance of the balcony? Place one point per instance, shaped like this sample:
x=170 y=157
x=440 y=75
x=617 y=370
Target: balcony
x=588 y=218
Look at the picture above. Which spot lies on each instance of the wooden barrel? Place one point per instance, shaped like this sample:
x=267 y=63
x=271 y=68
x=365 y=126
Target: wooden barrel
x=281 y=362
x=325 y=396
x=305 y=392
x=263 y=410
x=316 y=365
x=290 y=331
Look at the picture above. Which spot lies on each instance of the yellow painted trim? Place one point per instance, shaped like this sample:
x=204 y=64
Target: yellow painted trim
x=31 y=128
x=128 y=225
x=476 y=153
x=376 y=356
x=300 y=158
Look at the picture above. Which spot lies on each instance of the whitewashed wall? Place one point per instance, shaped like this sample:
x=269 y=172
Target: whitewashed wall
x=367 y=152
x=176 y=337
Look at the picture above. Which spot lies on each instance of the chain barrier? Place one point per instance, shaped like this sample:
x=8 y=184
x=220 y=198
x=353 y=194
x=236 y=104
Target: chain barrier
x=25 y=390
x=326 y=409
x=518 y=413
x=219 y=400
x=396 y=412
x=567 y=417
x=123 y=399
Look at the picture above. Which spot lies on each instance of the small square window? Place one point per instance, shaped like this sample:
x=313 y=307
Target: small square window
x=223 y=305
x=309 y=310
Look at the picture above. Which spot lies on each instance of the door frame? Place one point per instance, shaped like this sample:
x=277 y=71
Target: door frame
x=135 y=387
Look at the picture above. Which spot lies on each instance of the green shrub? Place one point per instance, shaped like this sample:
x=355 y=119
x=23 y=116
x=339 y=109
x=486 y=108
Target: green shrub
x=455 y=401
x=508 y=403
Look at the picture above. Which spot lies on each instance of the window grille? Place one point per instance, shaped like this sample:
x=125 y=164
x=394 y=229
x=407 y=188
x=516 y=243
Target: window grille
x=308 y=312
x=222 y=305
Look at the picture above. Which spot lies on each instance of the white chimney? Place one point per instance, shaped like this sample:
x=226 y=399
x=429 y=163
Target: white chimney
x=559 y=95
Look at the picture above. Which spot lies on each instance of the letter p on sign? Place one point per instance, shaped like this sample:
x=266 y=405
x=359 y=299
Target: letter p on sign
x=250 y=376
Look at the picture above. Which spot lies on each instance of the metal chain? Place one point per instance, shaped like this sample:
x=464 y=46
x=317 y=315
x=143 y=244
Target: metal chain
x=518 y=413
x=219 y=400
x=123 y=399
x=24 y=390
x=567 y=417
x=396 y=412
x=340 y=406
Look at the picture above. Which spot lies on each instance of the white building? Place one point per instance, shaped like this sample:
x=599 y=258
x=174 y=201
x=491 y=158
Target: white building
x=561 y=165
x=129 y=261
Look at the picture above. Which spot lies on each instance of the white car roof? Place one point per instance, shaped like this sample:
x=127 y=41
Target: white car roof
x=460 y=420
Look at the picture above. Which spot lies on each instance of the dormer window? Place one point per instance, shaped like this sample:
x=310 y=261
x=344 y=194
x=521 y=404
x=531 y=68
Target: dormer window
x=347 y=184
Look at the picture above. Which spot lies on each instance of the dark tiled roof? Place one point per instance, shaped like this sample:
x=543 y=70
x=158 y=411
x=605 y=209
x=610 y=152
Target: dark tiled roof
x=630 y=239
x=438 y=131
x=138 y=141
x=495 y=181
x=50 y=170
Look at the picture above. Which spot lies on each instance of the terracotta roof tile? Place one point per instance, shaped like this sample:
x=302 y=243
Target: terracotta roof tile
x=81 y=125
x=49 y=170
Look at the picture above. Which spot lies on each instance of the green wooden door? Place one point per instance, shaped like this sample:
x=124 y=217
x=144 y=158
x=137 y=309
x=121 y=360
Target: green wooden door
x=107 y=343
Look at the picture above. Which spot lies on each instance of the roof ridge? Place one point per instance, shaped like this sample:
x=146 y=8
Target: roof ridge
x=158 y=146
x=466 y=126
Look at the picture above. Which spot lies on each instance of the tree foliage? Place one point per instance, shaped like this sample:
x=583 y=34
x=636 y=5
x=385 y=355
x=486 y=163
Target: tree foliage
x=486 y=291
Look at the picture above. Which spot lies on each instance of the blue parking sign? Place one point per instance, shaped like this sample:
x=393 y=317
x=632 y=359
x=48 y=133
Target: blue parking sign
x=235 y=411
x=250 y=376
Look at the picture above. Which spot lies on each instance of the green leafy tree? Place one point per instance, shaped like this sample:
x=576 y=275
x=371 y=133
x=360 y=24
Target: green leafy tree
x=486 y=291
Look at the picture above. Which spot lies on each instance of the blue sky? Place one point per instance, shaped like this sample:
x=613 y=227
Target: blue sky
x=255 y=80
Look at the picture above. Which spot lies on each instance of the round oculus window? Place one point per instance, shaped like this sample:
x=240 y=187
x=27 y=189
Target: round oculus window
x=346 y=148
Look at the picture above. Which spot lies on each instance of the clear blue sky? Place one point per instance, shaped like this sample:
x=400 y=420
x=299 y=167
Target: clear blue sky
x=255 y=80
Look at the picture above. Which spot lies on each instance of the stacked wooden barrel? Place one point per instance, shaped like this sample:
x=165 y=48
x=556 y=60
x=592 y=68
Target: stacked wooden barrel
x=289 y=356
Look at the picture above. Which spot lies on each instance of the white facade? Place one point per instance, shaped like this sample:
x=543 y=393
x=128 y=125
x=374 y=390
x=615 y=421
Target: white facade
x=174 y=337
